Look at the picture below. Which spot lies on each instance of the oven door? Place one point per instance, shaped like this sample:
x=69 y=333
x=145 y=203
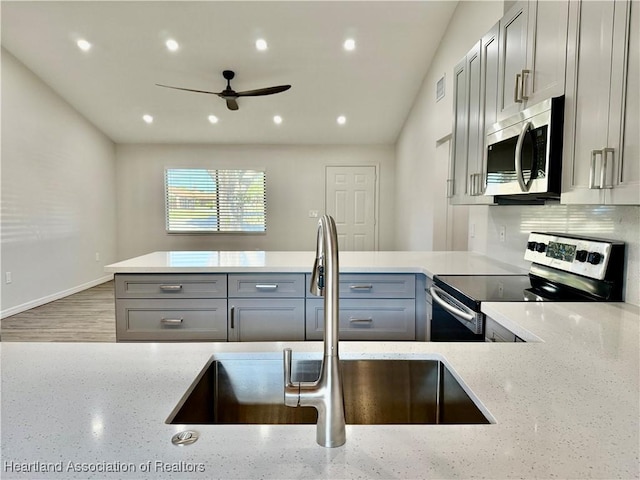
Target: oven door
x=452 y=321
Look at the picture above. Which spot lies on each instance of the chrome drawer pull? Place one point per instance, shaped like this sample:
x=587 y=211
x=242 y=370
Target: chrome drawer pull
x=170 y=288
x=267 y=287
x=361 y=287
x=172 y=321
x=360 y=320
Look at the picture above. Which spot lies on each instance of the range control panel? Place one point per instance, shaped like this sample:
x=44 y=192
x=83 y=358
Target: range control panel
x=583 y=256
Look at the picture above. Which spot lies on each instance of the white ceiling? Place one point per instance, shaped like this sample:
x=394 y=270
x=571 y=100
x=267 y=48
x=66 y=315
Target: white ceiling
x=112 y=85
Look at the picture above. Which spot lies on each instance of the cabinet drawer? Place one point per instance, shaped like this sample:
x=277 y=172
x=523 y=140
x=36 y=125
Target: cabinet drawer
x=266 y=320
x=360 y=285
x=171 y=286
x=373 y=320
x=266 y=285
x=175 y=319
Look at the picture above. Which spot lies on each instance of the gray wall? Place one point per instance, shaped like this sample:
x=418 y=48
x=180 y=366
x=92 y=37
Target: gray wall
x=295 y=185
x=58 y=186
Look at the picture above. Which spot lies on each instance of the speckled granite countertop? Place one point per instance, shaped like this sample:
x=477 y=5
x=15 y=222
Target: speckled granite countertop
x=565 y=407
x=429 y=263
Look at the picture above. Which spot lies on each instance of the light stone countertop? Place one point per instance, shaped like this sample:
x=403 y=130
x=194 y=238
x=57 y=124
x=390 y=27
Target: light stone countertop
x=565 y=407
x=428 y=263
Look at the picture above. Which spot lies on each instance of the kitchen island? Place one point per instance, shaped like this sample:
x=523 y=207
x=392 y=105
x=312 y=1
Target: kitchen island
x=565 y=407
x=260 y=295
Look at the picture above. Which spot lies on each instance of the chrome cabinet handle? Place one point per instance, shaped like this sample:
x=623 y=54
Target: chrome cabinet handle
x=516 y=98
x=605 y=168
x=361 y=287
x=266 y=287
x=518 y=158
x=592 y=169
x=523 y=88
x=360 y=320
x=172 y=321
x=472 y=184
x=170 y=288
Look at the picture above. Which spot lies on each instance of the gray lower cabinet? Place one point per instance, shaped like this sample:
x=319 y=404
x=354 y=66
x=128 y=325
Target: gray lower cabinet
x=494 y=332
x=171 y=319
x=380 y=319
x=266 y=319
x=251 y=307
x=373 y=306
x=171 y=307
x=266 y=307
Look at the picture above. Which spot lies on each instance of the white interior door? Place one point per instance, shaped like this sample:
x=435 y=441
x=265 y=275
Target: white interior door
x=350 y=194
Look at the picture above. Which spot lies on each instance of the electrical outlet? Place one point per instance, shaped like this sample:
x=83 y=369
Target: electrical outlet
x=313 y=213
x=7 y=277
x=472 y=230
x=97 y=257
x=503 y=233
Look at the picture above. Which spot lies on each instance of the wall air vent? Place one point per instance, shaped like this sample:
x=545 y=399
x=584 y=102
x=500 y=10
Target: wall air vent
x=440 y=89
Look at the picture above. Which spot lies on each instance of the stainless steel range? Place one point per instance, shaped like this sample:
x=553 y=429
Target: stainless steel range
x=564 y=268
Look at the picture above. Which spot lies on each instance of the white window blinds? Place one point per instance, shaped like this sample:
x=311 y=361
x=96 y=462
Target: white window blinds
x=203 y=200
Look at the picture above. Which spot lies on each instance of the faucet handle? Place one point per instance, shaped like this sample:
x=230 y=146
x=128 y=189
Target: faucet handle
x=291 y=390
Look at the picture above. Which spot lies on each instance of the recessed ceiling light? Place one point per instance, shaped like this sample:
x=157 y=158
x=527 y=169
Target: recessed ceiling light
x=349 y=44
x=261 y=44
x=172 y=45
x=83 y=45
x=213 y=119
x=147 y=118
x=341 y=120
x=277 y=119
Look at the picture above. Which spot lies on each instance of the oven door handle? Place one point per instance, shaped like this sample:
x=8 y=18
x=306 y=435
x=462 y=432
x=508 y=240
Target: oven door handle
x=447 y=302
x=518 y=159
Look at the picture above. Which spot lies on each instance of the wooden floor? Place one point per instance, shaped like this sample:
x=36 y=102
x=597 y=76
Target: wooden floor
x=87 y=316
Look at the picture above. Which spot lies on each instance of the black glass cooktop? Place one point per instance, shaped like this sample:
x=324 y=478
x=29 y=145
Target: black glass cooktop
x=503 y=288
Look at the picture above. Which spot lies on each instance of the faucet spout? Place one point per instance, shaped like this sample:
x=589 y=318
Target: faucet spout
x=325 y=394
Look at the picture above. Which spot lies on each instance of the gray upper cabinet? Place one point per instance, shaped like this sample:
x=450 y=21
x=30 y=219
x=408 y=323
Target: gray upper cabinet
x=533 y=36
x=601 y=154
x=475 y=86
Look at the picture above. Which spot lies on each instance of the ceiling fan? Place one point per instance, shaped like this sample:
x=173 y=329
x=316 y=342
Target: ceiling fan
x=231 y=95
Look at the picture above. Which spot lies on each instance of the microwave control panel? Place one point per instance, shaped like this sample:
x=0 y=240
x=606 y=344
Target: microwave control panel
x=587 y=257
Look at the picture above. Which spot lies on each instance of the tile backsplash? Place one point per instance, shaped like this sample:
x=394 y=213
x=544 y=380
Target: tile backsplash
x=611 y=222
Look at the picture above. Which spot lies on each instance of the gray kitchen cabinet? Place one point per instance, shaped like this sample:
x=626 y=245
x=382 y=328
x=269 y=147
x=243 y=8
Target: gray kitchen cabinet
x=379 y=319
x=266 y=319
x=494 y=332
x=266 y=307
x=601 y=120
x=171 y=319
x=171 y=307
x=532 y=57
x=372 y=307
x=475 y=107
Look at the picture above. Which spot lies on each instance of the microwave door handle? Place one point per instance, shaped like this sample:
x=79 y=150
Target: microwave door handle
x=518 y=157
x=437 y=295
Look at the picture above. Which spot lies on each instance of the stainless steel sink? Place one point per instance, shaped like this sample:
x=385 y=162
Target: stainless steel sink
x=375 y=392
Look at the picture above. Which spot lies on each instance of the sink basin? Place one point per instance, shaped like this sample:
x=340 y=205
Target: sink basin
x=249 y=391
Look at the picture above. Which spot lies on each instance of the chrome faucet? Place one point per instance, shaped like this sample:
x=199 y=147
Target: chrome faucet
x=325 y=394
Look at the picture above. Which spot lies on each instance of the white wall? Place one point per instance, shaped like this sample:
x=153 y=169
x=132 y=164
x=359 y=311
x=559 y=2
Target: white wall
x=420 y=181
x=295 y=185
x=58 y=185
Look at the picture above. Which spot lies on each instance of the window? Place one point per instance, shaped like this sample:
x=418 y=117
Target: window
x=209 y=201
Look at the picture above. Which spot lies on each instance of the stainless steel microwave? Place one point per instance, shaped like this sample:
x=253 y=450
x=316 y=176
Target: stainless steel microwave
x=524 y=152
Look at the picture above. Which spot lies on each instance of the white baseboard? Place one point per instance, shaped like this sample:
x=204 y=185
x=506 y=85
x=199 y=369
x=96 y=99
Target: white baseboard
x=56 y=296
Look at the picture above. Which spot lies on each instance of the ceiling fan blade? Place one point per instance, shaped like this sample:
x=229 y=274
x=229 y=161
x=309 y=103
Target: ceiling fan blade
x=188 y=89
x=232 y=104
x=264 y=91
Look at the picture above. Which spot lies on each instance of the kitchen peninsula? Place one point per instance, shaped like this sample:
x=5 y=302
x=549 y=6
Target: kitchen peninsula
x=261 y=295
x=565 y=407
